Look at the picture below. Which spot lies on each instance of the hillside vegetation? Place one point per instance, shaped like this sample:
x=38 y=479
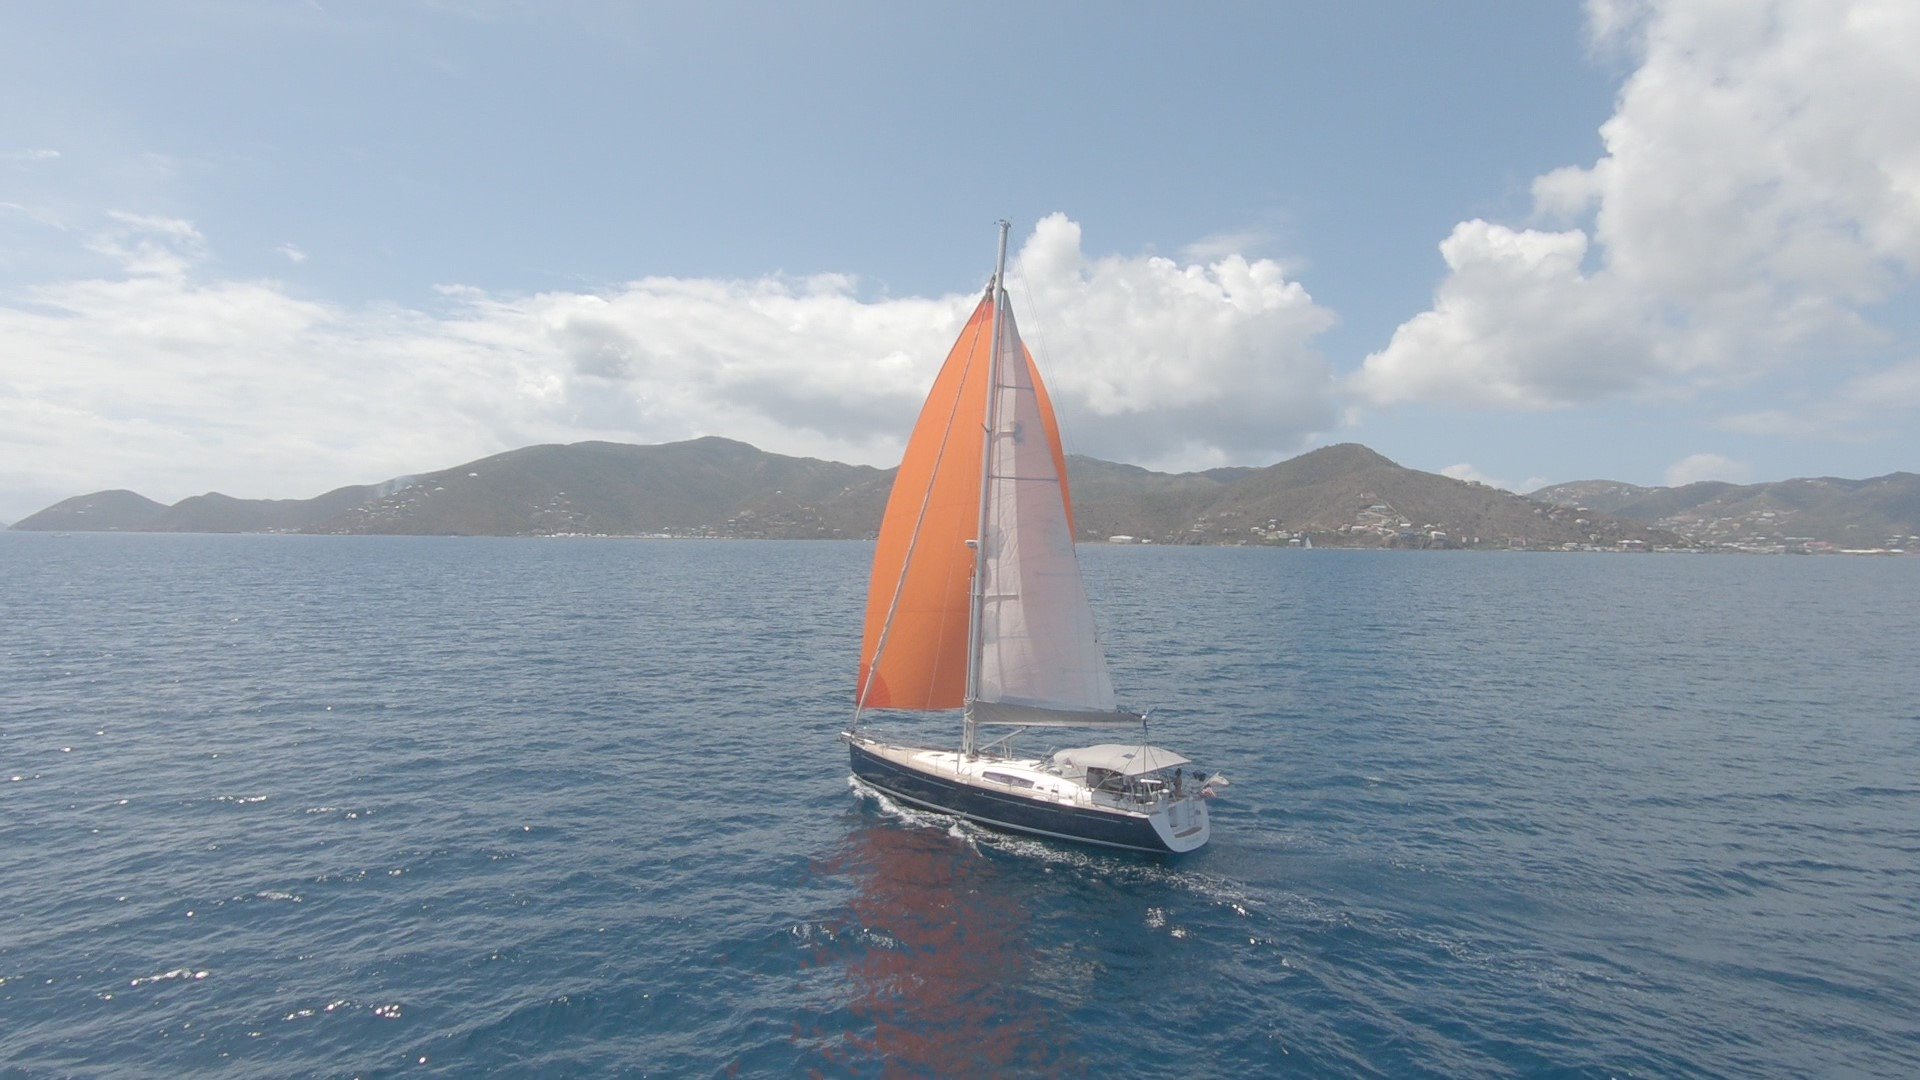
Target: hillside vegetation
x=1338 y=496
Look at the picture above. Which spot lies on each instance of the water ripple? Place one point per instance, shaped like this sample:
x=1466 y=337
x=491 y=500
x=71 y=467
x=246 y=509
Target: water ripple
x=289 y=805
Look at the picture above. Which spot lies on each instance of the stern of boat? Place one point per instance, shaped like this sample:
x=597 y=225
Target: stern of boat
x=1182 y=824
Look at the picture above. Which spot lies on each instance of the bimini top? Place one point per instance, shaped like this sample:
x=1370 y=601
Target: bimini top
x=1116 y=757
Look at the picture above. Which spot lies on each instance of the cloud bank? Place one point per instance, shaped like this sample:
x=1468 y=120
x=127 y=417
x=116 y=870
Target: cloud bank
x=1697 y=467
x=170 y=380
x=1758 y=198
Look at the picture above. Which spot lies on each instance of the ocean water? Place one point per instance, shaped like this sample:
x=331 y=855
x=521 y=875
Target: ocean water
x=380 y=806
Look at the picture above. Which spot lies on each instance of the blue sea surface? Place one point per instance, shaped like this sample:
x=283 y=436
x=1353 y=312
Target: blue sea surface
x=281 y=805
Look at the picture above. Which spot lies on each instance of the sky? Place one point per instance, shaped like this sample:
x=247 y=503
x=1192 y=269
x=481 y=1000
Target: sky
x=274 y=248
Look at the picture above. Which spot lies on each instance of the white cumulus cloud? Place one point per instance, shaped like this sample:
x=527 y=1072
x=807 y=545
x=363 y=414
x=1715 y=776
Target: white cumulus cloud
x=1168 y=364
x=1759 y=196
x=1517 y=323
x=1697 y=467
x=172 y=380
x=1466 y=471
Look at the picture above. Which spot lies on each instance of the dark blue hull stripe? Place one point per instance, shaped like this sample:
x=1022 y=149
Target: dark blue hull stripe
x=1009 y=812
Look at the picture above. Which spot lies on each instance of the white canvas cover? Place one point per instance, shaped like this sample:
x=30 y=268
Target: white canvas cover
x=1037 y=644
x=1121 y=758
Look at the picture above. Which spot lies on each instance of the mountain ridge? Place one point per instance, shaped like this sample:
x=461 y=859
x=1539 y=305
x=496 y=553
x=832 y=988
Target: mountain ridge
x=1344 y=494
x=1801 y=514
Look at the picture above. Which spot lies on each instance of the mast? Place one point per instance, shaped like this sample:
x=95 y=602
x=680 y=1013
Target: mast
x=967 y=740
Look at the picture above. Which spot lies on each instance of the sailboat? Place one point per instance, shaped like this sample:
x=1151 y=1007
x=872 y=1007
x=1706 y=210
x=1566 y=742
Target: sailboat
x=976 y=604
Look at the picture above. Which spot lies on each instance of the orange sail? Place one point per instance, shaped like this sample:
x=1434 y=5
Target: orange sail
x=920 y=596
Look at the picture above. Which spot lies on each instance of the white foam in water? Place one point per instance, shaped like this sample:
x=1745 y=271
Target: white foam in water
x=169 y=976
x=911 y=816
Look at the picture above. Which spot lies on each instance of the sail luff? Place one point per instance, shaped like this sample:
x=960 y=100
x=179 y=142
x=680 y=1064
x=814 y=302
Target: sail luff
x=977 y=610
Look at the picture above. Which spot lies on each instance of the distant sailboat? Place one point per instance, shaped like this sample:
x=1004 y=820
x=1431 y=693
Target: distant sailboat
x=976 y=604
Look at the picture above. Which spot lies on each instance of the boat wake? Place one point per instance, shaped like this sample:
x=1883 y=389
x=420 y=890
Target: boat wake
x=909 y=815
x=1173 y=898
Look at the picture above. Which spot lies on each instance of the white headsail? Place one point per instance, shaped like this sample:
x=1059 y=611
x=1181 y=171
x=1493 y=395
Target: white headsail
x=1039 y=660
